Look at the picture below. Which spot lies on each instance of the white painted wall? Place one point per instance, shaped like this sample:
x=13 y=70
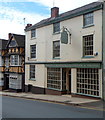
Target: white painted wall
x=73 y=80
x=40 y=74
x=69 y=52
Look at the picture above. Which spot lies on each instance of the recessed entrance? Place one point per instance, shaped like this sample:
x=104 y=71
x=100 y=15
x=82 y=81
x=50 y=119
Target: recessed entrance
x=69 y=78
x=6 y=81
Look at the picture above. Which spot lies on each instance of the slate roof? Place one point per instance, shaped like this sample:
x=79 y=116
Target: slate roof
x=3 y=44
x=20 y=39
x=67 y=15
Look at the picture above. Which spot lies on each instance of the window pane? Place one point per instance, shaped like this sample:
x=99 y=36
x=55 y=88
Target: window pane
x=88 y=45
x=88 y=19
x=54 y=78
x=56 y=27
x=14 y=59
x=33 y=33
x=56 y=49
x=33 y=51
x=32 y=71
x=12 y=43
x=87 y=81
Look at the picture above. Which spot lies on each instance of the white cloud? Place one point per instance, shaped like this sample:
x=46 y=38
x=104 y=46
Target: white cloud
x=64 y=5
x=11 y=21
x=10 y=27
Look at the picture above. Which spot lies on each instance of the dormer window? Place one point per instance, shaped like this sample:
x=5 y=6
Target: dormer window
x=12 y=43
x=33 y=33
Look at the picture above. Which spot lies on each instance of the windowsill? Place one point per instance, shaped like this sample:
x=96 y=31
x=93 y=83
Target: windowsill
x=54 y=89
x=56 y=58
x=87 y=57
x=32 y=59
x=32 y=79
x=56 y=33
x=33 y=38
x=15 y=65
x=91 y=25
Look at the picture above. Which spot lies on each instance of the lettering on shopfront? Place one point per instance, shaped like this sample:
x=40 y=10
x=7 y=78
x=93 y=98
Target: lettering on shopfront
x=75 y=65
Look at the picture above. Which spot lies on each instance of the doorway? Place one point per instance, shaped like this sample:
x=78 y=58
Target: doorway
x=6 y=81
x=69 y=80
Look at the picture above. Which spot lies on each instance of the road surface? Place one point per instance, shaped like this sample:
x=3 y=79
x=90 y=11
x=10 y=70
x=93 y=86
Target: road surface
x=25 y=108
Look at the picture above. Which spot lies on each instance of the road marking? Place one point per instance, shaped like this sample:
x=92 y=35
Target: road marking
x=85 y=107
x=91 y=108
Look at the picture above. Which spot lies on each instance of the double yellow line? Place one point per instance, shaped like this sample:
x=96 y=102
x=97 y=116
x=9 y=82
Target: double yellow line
x=85 y=107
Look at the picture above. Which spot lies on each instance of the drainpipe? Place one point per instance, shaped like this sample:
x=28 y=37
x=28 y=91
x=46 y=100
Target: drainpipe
x=103 y=51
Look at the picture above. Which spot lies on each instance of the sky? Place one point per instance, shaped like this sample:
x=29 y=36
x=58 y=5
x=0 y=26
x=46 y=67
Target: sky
x=13 y=12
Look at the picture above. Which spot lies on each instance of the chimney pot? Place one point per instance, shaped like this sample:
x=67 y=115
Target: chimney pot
x=28 y=25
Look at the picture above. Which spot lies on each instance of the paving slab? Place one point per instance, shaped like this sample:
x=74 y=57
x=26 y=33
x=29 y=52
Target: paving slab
x=66 y=99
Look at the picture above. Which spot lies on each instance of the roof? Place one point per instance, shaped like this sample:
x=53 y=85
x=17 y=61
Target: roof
x=20 y=39
x=67 y=15
x=3 y=43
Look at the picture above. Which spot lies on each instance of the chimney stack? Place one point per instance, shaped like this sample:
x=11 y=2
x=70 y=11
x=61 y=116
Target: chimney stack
x=28 y=25
x=54 y=12
x=9 y=36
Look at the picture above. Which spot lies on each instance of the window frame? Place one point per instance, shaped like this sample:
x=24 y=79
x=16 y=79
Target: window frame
x=33 y=33
x=56 y=27
x=88 y=81
x=55 y=50
x=13 y=61
x=88 y=20
x=13 y=45
x=54 y=78
x=86 y=41
x=33 y=52
x=32 y=71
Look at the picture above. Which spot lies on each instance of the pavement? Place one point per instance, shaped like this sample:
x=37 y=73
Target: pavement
x=91 y=103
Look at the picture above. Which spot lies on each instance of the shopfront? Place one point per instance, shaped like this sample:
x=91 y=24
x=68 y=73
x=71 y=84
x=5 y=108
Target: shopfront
x=75 y=78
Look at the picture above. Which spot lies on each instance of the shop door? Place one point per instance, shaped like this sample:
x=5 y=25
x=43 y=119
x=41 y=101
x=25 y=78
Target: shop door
x=6 y=81
x=69 y=75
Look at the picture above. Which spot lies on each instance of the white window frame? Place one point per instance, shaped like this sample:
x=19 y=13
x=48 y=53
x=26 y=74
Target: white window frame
x=88 y=19
x=33 y=52
x=88 y=81
x=30 y=77
x=13 y=63
x=33 y=33
x=56 y=83
x=84 y=46
x=54 y=57
x=56 y=27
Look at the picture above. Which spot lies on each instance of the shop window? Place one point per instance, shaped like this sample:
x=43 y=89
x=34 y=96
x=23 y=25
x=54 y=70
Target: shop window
x=54 y=78
x=90 y=84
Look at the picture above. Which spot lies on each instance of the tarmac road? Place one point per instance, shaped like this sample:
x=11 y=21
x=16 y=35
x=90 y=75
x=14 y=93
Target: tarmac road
x=24 y=108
